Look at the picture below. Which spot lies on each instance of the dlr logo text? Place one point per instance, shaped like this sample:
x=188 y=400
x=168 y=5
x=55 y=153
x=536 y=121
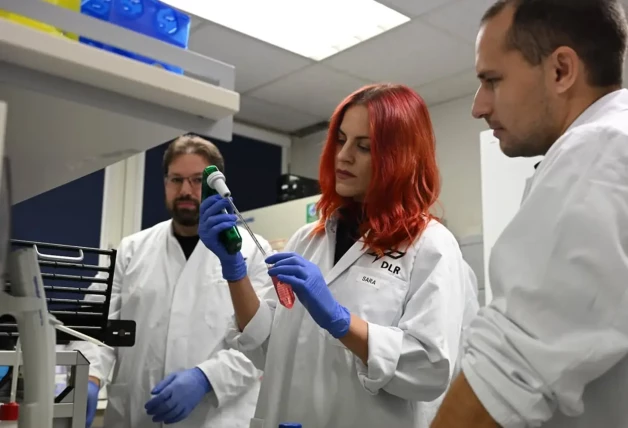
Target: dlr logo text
x=390 y=267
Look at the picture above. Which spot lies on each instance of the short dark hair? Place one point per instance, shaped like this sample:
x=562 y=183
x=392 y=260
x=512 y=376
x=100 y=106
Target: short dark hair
x=595 y=29
x=193 y=144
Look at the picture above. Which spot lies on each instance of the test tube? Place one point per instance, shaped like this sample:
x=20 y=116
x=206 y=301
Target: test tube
x=215 y=180
x=284 y=291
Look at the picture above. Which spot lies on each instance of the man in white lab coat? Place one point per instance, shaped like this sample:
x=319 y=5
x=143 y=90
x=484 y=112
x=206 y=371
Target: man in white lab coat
x=180 y=369
x=551 y=349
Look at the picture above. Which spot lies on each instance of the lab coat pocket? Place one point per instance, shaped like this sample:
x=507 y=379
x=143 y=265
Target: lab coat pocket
x=375 y=296
x=117 y=415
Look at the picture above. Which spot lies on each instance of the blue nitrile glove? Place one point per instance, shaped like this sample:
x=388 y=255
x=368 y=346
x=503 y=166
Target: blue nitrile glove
x=177 y=395
x=310 y=287
x=212 y=222
x=92 y=403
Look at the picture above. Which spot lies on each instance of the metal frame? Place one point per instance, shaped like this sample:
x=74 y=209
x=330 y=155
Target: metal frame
x=88 y=317
x=70 y=406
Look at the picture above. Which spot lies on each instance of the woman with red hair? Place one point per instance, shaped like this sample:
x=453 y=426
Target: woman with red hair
x=383 y=292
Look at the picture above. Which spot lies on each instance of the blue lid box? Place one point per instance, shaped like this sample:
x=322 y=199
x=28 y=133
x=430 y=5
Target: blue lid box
x=149 y=17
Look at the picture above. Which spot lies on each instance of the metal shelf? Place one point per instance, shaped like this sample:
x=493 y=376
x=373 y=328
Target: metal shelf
x=65 y=281
x=69 y=407
x=74 y=109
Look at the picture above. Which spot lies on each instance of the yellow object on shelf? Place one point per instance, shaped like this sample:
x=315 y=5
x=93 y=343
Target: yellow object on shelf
x=68 y=4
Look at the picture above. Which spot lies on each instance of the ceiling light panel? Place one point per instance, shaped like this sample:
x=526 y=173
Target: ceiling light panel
x=315 y=29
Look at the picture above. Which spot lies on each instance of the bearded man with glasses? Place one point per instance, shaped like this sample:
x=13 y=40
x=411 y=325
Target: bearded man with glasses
x=180 y=370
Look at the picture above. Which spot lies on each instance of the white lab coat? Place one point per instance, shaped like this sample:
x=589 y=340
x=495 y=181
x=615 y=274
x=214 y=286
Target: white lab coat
x=182 y=310
x=417 y=304
x=550 y=350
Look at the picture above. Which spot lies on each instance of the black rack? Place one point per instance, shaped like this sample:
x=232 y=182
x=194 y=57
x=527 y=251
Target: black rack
x=66 y=279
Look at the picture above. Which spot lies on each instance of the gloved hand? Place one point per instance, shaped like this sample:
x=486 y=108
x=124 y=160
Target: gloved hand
x=212 y=222
x=177 y=395
x=92 y=402
x=312 y=291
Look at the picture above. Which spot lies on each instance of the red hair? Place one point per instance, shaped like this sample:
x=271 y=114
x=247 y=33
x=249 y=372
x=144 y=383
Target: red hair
x=405 y=181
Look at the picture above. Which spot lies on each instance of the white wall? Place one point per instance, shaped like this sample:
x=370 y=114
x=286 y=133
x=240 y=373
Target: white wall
x=305 y=154
x=292 y=214
x=458 y=151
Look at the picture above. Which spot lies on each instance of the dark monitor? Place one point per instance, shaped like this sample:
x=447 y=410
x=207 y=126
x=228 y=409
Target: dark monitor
x=291 y=187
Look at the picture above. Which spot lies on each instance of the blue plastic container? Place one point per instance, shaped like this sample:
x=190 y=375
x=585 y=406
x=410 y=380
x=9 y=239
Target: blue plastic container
x=290 y=425
x=100 y=9
x=149 y=17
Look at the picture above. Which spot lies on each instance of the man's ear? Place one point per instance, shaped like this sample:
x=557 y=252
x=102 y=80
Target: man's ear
x=565 y=67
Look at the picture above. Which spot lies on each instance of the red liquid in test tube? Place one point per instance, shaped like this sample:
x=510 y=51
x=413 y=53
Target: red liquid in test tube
x=284 y=292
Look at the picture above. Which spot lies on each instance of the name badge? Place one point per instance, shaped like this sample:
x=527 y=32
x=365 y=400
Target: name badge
x=368 y=280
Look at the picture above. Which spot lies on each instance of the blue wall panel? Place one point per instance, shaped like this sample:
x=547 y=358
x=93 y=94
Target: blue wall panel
x=70 y=214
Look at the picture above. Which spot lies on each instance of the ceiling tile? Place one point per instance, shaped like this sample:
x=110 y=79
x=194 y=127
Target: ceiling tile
x=449 y=88
x=461 y=19
x=412 y=54
x=272 y=116
x=316 y=90
x=414 y=8
x=256 y=62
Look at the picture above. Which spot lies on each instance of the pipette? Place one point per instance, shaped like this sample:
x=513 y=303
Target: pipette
x=216 y=180
x=230 y=238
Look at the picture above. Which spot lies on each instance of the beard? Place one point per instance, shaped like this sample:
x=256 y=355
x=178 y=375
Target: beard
x=184 y=216
x=541 y=132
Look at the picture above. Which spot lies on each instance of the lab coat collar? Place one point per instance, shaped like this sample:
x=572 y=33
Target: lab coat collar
x=608 y=104
x=349 y=258
x=331 y=224
x=356 y=251
x=174 y=248
x=614 y=101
